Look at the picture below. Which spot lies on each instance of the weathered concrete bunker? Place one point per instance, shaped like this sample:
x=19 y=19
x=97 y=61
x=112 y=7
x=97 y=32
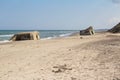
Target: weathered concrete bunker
x=88 y=31
x=115 y=29
x=25 y=36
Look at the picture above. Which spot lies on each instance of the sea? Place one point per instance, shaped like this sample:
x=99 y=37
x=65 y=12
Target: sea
x=5 y=35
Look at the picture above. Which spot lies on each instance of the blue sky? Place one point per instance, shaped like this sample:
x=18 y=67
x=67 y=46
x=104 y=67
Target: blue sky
x=58 y=14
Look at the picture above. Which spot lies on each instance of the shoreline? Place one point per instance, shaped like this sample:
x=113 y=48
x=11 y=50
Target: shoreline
x=66 y=34
x=42 y=38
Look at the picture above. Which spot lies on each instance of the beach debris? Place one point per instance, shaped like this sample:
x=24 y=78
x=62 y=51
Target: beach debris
x=25 y=36
x=81 y=37
x=60 y=68
x=116 y=79
x=88 y=31
x=72 y=78
x=69 y=49
x=115 y=29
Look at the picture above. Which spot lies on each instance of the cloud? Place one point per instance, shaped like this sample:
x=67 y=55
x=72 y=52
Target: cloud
x=116 y=1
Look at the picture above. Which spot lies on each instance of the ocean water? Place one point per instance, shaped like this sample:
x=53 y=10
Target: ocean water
x=5 y=35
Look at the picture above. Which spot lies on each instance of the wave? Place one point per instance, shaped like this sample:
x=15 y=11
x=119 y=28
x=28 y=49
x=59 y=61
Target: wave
x=6 y=35
x=65 y=35
x=57 y=36
x=48 y=38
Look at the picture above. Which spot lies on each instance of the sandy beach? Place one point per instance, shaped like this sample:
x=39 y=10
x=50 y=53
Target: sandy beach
x=95 y=57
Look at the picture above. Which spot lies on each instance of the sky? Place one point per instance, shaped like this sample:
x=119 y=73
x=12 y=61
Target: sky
x=58 y=14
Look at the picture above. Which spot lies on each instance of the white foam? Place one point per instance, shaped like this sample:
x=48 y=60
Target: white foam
x=65 y=35
x=47 y=38
x=61 y=35
x=6 y=35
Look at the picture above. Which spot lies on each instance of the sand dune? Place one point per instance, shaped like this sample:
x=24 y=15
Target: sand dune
x=94 y=57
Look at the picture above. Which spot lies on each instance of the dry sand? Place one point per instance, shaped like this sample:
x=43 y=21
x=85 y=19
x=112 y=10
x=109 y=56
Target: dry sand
x=94 y=57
